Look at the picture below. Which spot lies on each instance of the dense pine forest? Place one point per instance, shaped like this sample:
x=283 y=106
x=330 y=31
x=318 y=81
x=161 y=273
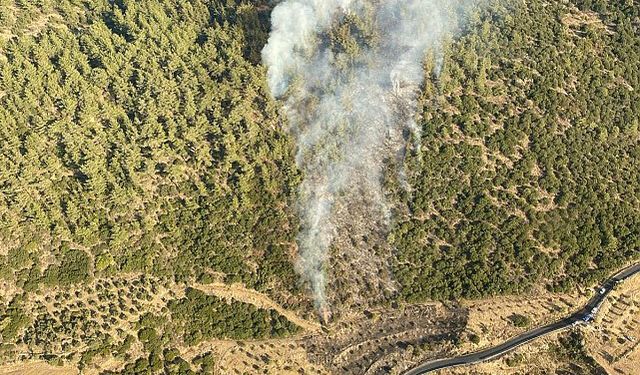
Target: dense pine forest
x=140 y=147
x=138 y=137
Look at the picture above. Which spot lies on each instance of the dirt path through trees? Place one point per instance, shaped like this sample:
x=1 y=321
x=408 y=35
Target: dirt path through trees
x=242 y=294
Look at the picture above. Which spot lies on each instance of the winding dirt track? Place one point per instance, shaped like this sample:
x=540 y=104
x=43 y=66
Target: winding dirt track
x=242 y=294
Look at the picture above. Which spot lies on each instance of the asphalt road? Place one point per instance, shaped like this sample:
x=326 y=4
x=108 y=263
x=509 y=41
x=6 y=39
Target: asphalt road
x=582 y=316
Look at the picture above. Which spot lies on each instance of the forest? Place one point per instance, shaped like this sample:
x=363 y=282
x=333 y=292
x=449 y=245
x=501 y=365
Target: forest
x=529 y=174
x=140 y=138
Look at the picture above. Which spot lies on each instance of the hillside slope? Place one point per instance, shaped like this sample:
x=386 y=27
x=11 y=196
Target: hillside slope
x=148 y=184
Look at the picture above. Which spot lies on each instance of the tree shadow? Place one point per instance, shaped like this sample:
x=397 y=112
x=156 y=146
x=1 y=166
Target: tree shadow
x=255 y=22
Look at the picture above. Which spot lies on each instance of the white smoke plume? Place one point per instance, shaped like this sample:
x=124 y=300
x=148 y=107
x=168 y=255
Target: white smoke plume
x=351 y=113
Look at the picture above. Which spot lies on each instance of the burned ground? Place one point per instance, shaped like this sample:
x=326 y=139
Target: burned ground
x=385 y=341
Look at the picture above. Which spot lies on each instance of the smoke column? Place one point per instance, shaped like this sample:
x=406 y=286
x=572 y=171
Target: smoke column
x=352 y=114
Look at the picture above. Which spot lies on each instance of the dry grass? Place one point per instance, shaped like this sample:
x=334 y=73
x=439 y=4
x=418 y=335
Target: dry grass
x=534 y=359
x=490 y=318
x=37 y=368
x=614 y=339
x=578 y=18
x=271 y=357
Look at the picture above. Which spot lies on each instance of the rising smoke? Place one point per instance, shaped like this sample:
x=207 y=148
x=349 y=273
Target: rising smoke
x=351 y=100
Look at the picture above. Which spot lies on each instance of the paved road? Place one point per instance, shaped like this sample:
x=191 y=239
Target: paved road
x=586 y=314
